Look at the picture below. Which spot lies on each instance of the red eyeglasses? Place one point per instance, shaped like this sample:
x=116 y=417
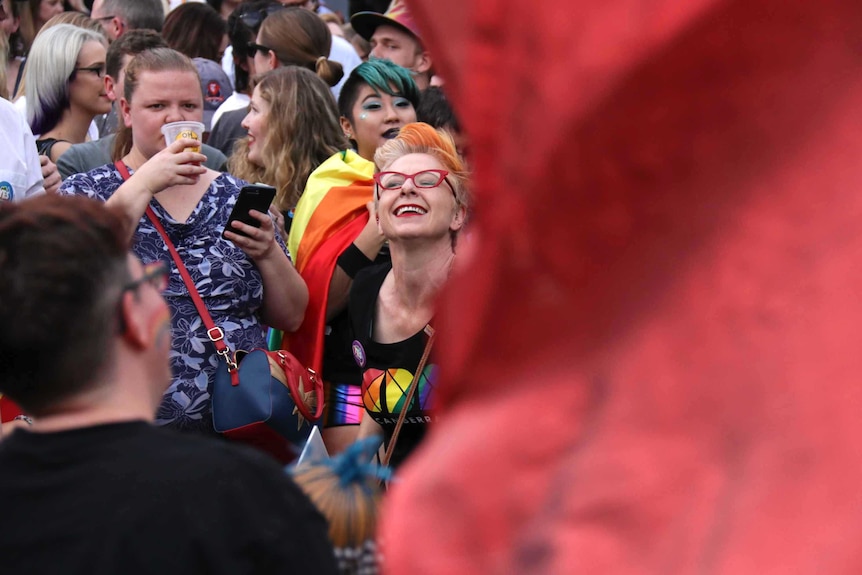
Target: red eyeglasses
x=425 y=179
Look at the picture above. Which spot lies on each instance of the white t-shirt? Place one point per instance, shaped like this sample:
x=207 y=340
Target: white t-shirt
x=227 y=65
x=345 y=54
x=20 y=172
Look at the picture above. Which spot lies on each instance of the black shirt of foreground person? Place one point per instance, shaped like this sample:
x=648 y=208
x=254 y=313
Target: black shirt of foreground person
x=89 y=485
x=129 y=498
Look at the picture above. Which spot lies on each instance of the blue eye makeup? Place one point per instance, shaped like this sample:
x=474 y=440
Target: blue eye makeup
x=372 y=105
x=401 y=102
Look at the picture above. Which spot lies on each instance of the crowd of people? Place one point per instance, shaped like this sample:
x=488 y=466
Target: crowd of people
x=371 y=198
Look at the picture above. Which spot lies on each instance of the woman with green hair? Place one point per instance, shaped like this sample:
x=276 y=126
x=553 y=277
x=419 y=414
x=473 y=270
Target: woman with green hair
x=377 y=99
x=334 y=234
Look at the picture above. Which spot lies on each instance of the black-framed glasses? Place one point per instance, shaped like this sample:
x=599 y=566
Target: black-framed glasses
x=255 y=47
x=101 y=18
x=155 y=274
x=425 y=179
x=97 y=70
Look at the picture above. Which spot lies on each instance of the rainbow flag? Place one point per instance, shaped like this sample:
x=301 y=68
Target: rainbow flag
x=329 y=216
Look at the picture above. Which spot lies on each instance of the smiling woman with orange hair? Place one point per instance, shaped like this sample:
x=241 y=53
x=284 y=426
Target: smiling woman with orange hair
x=421 y=199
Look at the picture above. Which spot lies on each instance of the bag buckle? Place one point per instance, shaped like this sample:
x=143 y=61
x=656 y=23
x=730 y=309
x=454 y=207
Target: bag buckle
x=219 y=334
x=231 y=362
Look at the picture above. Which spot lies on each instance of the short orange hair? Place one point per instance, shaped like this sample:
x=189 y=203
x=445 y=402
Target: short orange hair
x=420 y=138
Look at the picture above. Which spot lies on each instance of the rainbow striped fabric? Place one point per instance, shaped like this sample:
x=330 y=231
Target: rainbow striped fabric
x=329 y=216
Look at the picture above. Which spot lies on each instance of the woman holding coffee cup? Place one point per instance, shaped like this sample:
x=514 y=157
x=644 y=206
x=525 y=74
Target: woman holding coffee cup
x=245 y=279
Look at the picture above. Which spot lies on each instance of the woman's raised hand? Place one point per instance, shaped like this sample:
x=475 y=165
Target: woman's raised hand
x=257 y=243
x=173 y=166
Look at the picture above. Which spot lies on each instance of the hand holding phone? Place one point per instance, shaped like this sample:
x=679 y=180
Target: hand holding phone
x=251 y=197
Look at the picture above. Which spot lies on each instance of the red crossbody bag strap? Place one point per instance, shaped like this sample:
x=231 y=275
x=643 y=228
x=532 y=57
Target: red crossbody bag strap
x=214 y=333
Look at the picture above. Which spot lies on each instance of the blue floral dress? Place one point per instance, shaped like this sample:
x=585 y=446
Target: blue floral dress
x=227 y=280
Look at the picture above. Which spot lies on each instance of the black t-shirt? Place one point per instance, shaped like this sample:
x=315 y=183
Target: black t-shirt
x=388 y=368
x=132 y=498
x=339 y=365
x=45 y=146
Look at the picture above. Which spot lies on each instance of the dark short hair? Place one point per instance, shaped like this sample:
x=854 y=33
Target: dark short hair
x=434 y=109
x=131 y=43
x=196 y=30
x=62 y=267
x=383 y=76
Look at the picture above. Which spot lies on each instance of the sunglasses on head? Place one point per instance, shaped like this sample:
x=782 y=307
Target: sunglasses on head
x=254 y=18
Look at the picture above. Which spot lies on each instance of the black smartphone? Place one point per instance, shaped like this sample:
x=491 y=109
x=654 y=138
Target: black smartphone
x=251 y=197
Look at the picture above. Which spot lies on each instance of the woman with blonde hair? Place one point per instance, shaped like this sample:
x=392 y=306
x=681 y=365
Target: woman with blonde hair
x=65 y=89
x=422 y=200
x=73 y=18
x=287 y=37
x=293 y=127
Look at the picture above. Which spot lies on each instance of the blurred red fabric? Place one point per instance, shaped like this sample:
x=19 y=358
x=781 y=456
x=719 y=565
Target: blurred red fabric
x=650 y=364
x=8 y=410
